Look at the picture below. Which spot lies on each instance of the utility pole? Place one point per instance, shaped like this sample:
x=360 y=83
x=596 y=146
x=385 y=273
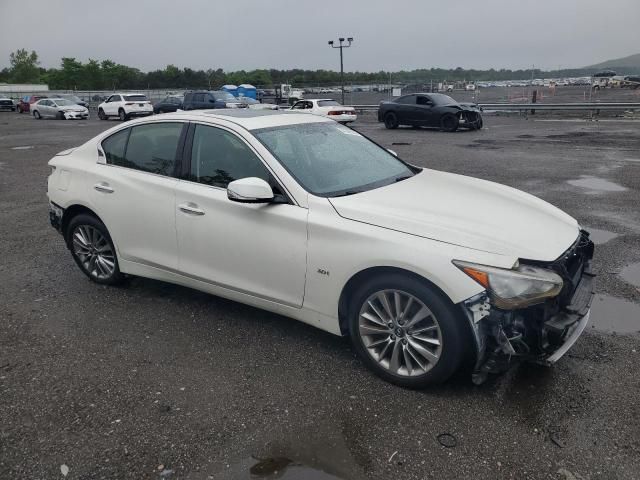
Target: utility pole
x=341 y=46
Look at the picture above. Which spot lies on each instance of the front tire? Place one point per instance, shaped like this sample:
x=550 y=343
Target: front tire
x=449 y=123
x=406 y=331
x=92 y=249
x=36 y=115
x=122 y=115
x=101 y=114
x=391 y=120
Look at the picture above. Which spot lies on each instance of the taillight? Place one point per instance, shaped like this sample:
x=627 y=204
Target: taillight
x=333 y=112
x=129 y=103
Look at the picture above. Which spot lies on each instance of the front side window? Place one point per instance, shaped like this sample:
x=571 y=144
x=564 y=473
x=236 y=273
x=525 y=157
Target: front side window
x=329 y=159
x=423 y=100
x=219 y=157
x=198 y=97
x=150 y=148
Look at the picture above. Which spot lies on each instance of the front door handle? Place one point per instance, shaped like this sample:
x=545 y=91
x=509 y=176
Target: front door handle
x=103 y=187
x=190 y=208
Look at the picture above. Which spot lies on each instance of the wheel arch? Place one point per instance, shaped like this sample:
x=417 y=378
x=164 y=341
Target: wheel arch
x=363 y=275
x=73 y=211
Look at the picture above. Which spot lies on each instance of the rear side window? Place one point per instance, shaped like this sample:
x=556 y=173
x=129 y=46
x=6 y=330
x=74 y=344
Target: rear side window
x=407 y=100
x=150 y=148
x=198 y=97
x=219 y=157
x=327 y=103
x=114 y=147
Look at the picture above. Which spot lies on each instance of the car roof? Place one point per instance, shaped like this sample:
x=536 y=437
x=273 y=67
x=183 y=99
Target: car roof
x=248 y=118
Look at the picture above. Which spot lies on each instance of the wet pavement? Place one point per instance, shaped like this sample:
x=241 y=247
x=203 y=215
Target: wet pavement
x=631 y=274
x=154 y=381
x=599 y=236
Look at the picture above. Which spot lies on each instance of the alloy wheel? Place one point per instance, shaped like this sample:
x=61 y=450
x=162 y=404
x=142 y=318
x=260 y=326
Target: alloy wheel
x=94 y=252
x=400 y=333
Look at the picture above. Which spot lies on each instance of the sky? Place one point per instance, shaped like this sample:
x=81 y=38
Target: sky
x=388 y=35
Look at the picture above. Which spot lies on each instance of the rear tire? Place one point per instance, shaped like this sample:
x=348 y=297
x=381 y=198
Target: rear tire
x=92 y=249
x=36 y=115
x=391 y=120
x=449 y=123
x=427 y=351
x=101 y=114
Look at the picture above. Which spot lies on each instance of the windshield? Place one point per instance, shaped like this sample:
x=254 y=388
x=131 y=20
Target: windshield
x=61 y=102
x=327 y=103
x=135 y=98
x=225 y=96
x=330 y=160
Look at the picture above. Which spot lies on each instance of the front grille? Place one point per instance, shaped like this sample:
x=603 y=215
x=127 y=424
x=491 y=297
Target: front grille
x=571 y=265
x=6 y=102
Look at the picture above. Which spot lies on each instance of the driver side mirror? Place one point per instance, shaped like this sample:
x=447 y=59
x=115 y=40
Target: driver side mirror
x=250 y=190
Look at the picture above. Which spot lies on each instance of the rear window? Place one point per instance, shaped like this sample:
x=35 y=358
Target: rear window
x=328 y=103
x=135 y=98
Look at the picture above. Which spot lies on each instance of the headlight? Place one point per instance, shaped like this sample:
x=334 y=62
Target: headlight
x=519 y=287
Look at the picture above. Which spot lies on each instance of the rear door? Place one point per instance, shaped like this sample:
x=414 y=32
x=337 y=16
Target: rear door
x=133 y=191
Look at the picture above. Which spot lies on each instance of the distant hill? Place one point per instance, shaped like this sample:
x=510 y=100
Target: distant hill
x=625 y=63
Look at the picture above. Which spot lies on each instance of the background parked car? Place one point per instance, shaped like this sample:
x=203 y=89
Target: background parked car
x=326 y=107
x=7 y=104
x=125 y=106
x=254 y=104
x=170 y=103
x=24 y=104
x=203 y=100
x=73 y=98
x=59 y=108
x=430 y=110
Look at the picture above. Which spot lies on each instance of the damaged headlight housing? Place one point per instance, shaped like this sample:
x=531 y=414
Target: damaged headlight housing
x=519 y=287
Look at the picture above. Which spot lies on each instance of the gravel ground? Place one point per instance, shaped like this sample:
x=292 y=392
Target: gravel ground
x=154 y=381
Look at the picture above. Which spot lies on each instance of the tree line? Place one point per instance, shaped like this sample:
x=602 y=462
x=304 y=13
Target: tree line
x=94 y=74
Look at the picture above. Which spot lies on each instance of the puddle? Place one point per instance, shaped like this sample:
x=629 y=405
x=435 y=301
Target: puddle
x=285 y=468
x=600 y=236
x=596 y=184
x=631 y=274
x=25 y=147
x=323 y=453
x=611 y=314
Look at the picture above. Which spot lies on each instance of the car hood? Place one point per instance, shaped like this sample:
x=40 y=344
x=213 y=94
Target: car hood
x=467 y=212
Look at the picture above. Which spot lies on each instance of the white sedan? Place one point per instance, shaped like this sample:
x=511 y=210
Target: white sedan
x=307 y=218
x=59 y=108
x=327 y=108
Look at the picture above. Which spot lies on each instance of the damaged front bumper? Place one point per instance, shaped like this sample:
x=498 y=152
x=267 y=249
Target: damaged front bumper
x=541 y=333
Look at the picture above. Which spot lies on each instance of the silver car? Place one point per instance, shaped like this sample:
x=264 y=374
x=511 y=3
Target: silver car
x=58 y=108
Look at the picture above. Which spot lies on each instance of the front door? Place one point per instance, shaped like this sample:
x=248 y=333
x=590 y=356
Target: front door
x=133 y=192
x=259 y=249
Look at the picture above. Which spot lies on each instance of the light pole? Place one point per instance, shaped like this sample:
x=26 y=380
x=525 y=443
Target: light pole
x=341 y=46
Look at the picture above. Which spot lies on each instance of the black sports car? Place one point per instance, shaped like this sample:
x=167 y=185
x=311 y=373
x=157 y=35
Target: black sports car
x=430 y=110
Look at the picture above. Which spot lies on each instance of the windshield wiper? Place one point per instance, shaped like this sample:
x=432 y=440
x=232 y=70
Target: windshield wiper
x=403 y=177
x=348 y=192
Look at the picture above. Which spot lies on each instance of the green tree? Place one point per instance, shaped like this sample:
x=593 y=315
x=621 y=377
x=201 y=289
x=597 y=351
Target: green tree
x=24 y=66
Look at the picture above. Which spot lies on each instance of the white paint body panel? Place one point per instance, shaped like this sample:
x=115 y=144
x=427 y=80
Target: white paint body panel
x=295 y=259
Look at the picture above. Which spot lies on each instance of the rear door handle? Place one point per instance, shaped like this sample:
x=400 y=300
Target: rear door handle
x=190 y=208
x=103 y=187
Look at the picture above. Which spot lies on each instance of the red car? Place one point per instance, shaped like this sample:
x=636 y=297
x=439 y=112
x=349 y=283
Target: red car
x=25 y=102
